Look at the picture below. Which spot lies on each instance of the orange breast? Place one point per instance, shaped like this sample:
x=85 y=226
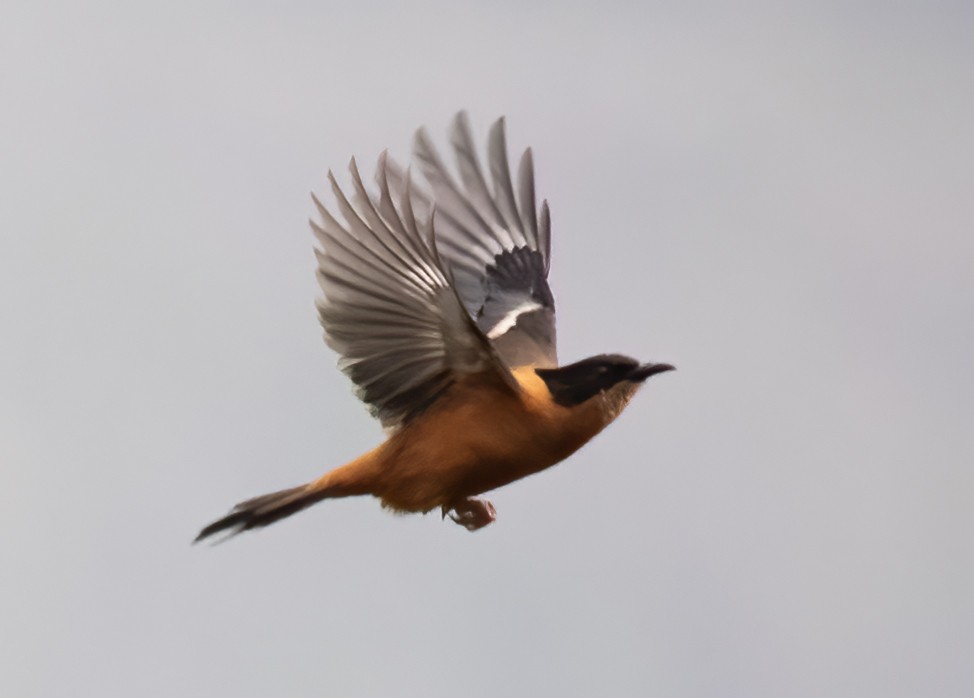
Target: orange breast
x=479 y=436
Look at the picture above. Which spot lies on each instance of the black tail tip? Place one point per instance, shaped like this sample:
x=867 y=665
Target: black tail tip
x=260 y=511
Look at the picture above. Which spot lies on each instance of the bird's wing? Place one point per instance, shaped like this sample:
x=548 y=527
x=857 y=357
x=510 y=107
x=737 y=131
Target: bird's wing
x=494 y=241
x=389 y=308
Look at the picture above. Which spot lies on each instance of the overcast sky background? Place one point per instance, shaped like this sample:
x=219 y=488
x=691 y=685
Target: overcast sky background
x=776 y=197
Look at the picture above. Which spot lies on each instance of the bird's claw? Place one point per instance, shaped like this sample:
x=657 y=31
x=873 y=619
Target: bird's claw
x=471 y=513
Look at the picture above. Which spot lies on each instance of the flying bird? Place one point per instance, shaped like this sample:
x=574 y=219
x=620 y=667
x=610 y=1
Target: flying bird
x=437 y=301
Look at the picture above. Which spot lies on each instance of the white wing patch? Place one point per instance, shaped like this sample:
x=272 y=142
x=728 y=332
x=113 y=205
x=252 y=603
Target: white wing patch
x=510 y=319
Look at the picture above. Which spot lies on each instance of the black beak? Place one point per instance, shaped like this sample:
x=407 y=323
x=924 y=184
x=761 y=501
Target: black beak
x=638 y=375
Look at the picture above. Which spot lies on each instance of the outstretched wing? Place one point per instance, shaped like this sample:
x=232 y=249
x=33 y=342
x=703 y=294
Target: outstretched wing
x=389 y=308
x=495 y=243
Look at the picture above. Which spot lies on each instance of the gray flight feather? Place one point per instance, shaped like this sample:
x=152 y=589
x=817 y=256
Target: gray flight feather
x=495 y=242
x=389 y=308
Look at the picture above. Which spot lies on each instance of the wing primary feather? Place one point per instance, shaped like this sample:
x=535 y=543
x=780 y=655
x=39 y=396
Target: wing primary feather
x=381 y=316
x=326 y=217
x=396 y=177
x=481 y=257
x=409 y=253
x=410 y=379
x=377 y=280
x=360 y=230
x=379 y=231
x=395 y=263
x=471 y=238
x=409 y=217
x=436 y=172
x=372 y=292
x=337 y=244
x=525 y=187
x=475 y=262
x=386 y=205
x=472 y=176
x=333 y=240
x=501 y=175
x=544 y=234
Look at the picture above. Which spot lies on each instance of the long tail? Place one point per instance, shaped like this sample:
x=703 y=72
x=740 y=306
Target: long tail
x=264 y=510
x=351 y=479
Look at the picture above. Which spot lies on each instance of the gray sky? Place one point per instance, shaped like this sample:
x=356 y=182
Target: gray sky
x=778 y=199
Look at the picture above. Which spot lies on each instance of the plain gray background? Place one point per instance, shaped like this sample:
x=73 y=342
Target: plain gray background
x=776 y=197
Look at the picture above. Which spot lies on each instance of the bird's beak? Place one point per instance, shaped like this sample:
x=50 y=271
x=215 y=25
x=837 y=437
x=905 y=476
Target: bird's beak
x=638 y=375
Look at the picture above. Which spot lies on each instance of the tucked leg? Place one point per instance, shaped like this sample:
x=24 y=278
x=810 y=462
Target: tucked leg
x=472 y=513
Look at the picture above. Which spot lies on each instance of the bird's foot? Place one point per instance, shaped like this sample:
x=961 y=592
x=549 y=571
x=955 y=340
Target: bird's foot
x=471 y=513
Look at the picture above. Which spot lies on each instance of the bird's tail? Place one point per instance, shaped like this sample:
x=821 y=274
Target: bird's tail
x=355 y=478
x=264 y=510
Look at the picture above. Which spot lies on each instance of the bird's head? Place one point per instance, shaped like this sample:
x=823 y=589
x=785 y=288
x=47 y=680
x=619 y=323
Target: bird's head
x=615 y=376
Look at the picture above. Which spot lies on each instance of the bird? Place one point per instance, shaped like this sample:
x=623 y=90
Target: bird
x=436 y=299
